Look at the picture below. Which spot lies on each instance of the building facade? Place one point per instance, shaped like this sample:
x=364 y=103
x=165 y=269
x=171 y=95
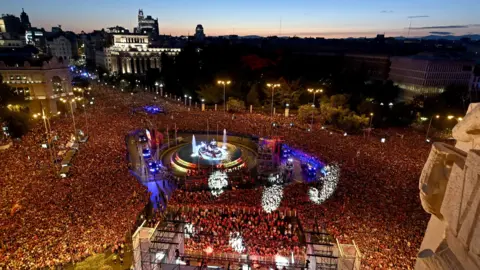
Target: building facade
x=42 y=83
x=59 y=46
x=11 y=24
x=375 y=66
x=428 y=74
x=9 y=41
x=147 y=25
x=132 y=53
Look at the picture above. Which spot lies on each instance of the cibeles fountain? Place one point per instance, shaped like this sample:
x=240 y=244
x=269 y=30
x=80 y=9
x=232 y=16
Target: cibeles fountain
x=207 y=151
x=210 y=150
x=450 y=192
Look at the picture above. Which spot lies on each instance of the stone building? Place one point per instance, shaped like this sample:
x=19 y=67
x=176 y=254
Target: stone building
x=43 y=83
x=132 y=53
x=59 y=46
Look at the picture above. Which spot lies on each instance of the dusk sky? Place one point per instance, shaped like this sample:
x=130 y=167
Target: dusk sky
x=327 y=18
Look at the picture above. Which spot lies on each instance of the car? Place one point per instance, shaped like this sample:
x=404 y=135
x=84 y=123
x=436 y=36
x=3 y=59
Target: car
x=142 y=138
x=146 y=153
x=153 y=167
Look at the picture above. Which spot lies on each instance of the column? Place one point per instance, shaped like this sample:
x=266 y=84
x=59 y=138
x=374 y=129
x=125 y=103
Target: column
x=140 y=65
x=129 y=64
x=135 y=65
x=145 y=66
x=152 y=62
x=124 y=65
x=157 y=60
x=114 y=61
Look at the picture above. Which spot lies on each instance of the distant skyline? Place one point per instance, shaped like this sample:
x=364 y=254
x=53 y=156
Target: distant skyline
x=303 y=18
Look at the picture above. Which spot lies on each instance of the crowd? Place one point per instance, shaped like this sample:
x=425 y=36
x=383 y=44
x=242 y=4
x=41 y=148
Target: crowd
x=262 y=234
x=46 y=220
x=376 y=203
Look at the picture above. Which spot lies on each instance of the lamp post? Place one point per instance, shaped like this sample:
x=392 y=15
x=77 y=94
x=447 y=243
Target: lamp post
x=314 y=91
x=224 y=83
x=272 y=86
x=185 y=96
x=70 y=102
x=156 y=87
x=203 y=105
x=190 y=101
x=429 y=125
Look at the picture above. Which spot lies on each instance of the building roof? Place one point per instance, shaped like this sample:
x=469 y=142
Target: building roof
x=440 y=56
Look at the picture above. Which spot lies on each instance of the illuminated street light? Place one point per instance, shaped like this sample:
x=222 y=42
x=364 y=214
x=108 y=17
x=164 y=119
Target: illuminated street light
x=224 y=83
x=450 y=117
x=272 y=86
x=314 y=91
x=460 y=119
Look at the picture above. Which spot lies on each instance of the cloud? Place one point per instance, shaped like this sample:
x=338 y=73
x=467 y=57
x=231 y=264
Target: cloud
x=441 y=33
x=386 y=11
x=440 y=27
x=418 y=16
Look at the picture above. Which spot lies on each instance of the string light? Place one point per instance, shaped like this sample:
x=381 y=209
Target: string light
x=236 y=242
x=329 y=179
x=271 y=198
x=217 y=181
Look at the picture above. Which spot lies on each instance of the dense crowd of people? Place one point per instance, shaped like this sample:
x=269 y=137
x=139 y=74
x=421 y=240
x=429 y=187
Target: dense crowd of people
x=46 y=220
x=262 y=234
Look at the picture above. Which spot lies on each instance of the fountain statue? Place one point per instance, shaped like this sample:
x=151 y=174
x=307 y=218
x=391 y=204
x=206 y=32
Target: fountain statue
x=450 y=192
x=224 y=145
x=210 y=150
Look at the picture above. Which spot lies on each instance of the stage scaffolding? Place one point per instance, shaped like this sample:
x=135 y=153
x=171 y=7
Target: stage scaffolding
x=153 y=247
x=326 y=253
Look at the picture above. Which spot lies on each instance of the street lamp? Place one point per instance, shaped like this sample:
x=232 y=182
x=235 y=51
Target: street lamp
x=314 y=91
x=70 y=102
x=272 y=86
x=224 y=83
x=429 y=125
x=190 y=101
x=185 y=100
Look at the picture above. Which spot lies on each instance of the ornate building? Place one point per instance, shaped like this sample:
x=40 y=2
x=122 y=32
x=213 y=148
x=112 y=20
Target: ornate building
x=147 y=25
x=132 y=53
x=42 y=83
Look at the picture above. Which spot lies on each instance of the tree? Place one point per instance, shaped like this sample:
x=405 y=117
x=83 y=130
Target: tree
x=235 y=105
x=305 y=112
x=252 y=96
x=352 y=122
x=211 y=93
x=288 y=92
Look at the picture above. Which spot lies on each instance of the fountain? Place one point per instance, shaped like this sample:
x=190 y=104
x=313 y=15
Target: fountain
x=224 y=145
x=194 y=146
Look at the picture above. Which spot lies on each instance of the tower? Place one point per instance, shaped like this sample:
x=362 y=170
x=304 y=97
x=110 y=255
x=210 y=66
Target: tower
x=25 y=20
x=140 y=15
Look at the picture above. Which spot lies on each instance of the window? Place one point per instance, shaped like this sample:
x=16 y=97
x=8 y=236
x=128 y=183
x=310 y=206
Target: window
x=467 y=68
